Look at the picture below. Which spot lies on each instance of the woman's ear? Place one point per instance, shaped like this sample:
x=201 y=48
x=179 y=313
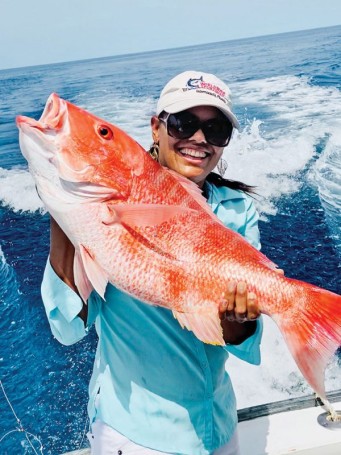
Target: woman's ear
x=155 y=125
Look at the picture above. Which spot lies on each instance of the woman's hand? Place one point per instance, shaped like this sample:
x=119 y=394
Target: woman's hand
x=239 y=311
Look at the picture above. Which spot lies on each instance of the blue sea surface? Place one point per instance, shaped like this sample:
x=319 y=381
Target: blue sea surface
x=286 y=91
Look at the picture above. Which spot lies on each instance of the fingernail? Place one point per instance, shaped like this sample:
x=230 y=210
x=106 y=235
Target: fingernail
x=241 y=287
x=223 y=305
x=231 y=287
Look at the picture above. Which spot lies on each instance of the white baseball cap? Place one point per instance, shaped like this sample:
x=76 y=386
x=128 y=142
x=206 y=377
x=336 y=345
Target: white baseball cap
x=194 y=88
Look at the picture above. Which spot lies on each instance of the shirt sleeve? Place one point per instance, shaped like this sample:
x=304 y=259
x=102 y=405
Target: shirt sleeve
x=251 y=232
x=249 y=350
x=62 y=306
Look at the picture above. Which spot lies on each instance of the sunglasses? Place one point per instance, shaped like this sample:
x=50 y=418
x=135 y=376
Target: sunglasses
x=183 y=125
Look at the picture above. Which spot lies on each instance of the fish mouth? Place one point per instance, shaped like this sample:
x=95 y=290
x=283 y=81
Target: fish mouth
x=52 y=120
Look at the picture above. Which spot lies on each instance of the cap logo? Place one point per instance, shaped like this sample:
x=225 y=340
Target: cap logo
x=194 y=83
x=201 y=86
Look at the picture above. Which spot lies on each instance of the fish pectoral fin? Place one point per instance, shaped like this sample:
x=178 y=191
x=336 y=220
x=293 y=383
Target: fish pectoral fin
x=95 y=274
x=81 y=280
x=147 y=243
x=143 y=215
x=206 y=326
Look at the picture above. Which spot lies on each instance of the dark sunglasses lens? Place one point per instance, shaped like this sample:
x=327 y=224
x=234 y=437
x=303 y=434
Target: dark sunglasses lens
x=217 y=132
x=182 y=125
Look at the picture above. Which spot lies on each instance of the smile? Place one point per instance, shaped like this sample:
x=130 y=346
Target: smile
x=194 y=153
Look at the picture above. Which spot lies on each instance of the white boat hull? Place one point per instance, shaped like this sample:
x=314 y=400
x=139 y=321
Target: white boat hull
x=291 y=431
x=287 y=427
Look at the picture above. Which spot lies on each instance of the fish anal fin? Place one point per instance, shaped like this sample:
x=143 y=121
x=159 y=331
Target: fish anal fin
x=206 y=326
x=143 y=215
x=94 y=272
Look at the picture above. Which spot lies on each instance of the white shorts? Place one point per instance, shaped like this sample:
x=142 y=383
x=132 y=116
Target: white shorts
x=104 y=440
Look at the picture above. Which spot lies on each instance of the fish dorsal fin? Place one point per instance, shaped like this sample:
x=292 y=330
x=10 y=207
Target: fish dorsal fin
x=206 y=326
x=193 y=189
x=143 y=215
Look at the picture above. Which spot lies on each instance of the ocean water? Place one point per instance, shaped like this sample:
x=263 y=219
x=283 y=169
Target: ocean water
x=287 y=96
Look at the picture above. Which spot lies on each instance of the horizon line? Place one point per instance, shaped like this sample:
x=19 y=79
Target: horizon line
x=164 y=49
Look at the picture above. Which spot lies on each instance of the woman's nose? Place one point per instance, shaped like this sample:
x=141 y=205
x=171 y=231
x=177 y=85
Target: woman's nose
x=198 y=136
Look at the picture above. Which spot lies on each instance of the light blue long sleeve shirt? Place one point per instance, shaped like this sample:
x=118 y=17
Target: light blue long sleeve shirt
x=153 y=381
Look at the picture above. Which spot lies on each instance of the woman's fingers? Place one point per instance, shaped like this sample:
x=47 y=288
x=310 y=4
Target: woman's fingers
x=238 y=304
x=230 y=296
x=240 y=309
x=252 y=307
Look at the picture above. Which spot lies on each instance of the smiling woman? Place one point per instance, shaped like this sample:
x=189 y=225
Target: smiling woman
x=148 y=369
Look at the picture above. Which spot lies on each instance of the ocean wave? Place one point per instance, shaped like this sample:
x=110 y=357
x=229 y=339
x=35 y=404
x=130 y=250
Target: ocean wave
x=273 y=153
x=8 y=283
x=17 y=191
x=327 y=175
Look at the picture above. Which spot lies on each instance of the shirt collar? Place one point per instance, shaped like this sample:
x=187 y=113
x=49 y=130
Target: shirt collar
x=217 y=195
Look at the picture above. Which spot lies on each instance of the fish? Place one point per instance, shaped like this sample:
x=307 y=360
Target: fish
x=150 y=232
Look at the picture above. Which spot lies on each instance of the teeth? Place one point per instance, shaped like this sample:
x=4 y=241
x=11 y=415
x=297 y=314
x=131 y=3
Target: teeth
x=194 y=153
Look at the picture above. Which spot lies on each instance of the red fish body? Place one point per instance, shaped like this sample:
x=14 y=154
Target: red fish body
x=149 y=232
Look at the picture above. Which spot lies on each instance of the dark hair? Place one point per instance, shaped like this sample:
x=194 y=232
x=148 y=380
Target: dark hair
x=219 y=181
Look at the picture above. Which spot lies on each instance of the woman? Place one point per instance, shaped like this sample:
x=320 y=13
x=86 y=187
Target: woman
x=155 y=387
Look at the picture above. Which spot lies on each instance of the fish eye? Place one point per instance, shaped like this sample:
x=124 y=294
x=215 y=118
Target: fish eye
x=105 y=132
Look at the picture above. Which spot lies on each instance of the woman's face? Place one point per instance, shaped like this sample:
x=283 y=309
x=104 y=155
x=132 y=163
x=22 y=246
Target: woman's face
x=194 y=157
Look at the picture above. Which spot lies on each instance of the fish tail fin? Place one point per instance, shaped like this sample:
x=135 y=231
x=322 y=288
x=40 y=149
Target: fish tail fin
x=313 y=333
x=206 y=326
